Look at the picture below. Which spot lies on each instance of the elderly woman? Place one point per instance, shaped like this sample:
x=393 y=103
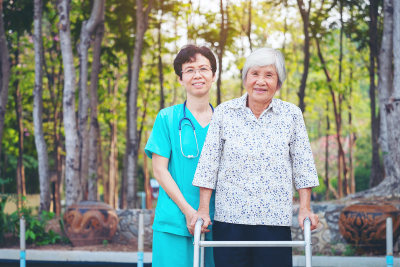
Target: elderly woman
x=255 y=146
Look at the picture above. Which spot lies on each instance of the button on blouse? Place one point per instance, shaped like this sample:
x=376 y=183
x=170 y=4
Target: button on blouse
x=252 y=163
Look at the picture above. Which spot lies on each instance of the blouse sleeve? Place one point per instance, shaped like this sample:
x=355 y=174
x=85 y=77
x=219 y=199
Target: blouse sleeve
x=207 y=169
x=304 y=171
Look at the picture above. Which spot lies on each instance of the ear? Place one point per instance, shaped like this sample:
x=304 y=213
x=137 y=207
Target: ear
x=214 y=77
x=180 y=80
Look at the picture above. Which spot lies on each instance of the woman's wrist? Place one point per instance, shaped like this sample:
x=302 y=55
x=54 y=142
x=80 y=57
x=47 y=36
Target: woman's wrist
x=187 y=209
x=204 y=209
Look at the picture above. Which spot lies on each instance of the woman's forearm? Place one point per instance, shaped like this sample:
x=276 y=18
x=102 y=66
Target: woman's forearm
x=164 y=178
x=305 y=197
x=205 y=196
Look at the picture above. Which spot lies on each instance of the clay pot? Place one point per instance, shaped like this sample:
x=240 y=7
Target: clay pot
x=89 y=223
x=364 y=226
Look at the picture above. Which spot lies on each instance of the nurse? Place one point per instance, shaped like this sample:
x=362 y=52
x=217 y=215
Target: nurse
x=175 y=145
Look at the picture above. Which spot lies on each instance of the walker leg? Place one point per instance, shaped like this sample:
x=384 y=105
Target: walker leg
x=307 y=239
x=22 y=242
x=197 y=233
x=196 y=254
x=389 y=242
x=202 y=252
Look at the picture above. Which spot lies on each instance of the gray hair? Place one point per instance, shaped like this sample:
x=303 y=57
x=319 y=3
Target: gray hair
x=266 y=57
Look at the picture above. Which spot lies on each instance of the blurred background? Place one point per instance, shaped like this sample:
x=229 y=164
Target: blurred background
x=107 y=67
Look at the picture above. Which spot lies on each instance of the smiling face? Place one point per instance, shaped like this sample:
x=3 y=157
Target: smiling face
x=197 y=84
x=261 y=84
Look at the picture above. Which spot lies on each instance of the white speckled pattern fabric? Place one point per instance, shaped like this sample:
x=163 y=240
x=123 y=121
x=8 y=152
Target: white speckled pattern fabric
x=251 y=162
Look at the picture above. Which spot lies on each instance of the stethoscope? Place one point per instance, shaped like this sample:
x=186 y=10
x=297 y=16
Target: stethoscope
x=194 y=131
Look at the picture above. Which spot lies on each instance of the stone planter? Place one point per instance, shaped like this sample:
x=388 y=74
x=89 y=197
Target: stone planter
x=364 y=226
x=89 y=223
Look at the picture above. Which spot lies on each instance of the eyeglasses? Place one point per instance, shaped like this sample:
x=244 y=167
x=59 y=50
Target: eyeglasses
x=192 y=71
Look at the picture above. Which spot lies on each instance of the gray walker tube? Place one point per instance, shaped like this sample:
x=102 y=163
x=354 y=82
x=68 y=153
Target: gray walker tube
x=199 y=259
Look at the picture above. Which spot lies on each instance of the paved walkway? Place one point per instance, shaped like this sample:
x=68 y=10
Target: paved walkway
x=131 y=257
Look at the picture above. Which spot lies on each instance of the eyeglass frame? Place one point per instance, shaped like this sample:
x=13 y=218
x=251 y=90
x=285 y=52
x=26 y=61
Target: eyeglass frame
x=195 y=70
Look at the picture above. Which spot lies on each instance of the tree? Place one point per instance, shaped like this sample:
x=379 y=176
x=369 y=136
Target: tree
x=94 y=124
x=5 y=73
x=41 y=146
x=87 y=30
x=376 y=168
x=142 y=18
x=385 y=82
x=223 y=36
x=305 y=15
x=73 y=188
x=390 y=186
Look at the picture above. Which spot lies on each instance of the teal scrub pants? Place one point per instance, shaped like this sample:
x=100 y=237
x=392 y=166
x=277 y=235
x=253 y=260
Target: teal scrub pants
x=171 y=250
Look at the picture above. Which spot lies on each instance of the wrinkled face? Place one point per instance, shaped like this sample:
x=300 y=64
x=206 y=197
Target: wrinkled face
x=261 y=84
x=197 y=76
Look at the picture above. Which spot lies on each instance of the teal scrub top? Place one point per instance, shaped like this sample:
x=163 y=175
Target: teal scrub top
x=164 y=141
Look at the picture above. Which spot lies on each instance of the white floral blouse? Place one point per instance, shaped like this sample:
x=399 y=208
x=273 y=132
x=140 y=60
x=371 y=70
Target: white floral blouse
x=251 y=162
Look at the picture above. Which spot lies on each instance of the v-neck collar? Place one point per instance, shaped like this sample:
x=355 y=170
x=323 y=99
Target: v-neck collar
x=193 y=118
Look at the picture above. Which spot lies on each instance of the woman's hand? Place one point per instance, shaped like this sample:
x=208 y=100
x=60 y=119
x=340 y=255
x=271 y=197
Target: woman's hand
x=205 y=216
x=303 y=214
x=305 y=210
x=204 y=211
x=190 y=215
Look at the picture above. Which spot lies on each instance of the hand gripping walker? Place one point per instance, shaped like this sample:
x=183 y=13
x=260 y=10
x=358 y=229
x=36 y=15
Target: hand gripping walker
x=201 y=244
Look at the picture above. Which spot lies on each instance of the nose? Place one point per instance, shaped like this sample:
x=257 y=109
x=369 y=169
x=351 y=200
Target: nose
x=261 y=81
x=197 y=74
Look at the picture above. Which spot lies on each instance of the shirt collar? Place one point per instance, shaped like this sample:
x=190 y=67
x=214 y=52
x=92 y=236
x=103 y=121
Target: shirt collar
x=240 y=103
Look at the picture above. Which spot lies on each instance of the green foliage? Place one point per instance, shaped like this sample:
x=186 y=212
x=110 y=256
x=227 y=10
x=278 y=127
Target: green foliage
x=349 y=251
x=3 y=218
x=35 y=228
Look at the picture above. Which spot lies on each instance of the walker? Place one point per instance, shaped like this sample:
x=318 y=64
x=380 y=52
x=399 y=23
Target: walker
x=199 y=245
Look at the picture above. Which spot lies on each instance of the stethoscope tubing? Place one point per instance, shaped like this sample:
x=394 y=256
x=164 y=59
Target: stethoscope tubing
x=194 y=131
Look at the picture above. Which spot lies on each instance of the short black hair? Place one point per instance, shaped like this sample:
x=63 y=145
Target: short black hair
x=188 y=54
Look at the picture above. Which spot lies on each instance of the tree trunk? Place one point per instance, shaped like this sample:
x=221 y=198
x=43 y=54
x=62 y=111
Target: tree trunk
x=223 y=35
x=351 y=137
x=305 y=15
x=5 y=73
x=87 y=31
x=100 y=170
x=57 y=119
x=59 y=161
x=342 y=156
x=73 y=192
x=4 y=171
x=41 y=146
x=147 y=189
x=385 y=81
x=393 y=106
x=376 y=169
x=390 y=186
x=142 y=17
x=337 y=110
x=248 y=32
x=58 y=157
x=328 y=127
x=160 y=67
x=113 y=164
x=18 y=111
x=94 y=124
x=111 y=159
x=124 y=182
